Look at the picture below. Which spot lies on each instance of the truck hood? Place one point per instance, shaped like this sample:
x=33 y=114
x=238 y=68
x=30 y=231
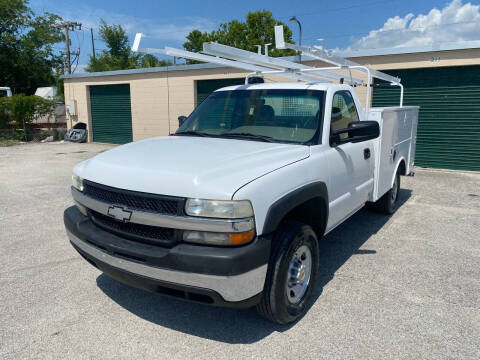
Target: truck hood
x=187 y=166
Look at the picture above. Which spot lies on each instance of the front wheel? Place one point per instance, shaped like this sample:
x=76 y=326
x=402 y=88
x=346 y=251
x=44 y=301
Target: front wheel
x=292 y=273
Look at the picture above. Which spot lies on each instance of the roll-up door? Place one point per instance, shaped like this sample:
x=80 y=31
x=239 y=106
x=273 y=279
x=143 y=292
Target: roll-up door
x=111 y=113
x=449 y=121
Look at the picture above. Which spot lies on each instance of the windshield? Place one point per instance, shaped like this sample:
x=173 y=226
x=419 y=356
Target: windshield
x=274 y=115
x=3 y=93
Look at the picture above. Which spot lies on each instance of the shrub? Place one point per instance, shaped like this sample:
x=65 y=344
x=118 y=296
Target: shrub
x=21 y=109
x=3 y=112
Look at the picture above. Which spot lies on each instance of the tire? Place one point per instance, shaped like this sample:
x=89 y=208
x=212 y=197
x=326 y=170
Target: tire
x=388 y=203
x=291 y=277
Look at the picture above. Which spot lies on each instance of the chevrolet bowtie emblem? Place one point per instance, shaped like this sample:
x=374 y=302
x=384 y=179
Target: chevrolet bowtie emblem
x=119 y=213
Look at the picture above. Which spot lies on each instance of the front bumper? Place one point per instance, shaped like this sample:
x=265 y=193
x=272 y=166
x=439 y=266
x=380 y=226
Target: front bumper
x=222 y=276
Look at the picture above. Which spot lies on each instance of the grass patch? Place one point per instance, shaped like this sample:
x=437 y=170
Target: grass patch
x=8 y=142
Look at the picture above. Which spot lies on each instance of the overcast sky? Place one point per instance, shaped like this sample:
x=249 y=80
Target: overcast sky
x=344 y=24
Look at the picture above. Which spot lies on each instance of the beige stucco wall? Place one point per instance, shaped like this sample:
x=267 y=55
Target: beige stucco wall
x=158 y=98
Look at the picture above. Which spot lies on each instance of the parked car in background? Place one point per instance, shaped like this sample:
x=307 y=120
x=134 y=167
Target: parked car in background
x=5 y=91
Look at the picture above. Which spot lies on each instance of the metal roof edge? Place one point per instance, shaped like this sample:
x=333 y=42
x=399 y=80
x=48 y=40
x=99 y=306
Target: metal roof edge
x=141 y=70
x=160 y=69
x=411 y=49
x=347 y=54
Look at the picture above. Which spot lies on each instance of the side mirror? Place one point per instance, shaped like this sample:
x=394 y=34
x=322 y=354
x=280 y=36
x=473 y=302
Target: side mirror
x=357 y=131
x=181 y=120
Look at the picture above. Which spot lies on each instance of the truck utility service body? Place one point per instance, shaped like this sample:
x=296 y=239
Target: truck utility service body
x=228 y=209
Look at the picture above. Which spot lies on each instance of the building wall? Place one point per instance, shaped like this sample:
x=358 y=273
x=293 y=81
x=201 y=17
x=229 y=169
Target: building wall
x=158 y=98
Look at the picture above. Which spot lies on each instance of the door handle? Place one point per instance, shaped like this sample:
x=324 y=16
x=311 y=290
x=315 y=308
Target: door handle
x=366 y=153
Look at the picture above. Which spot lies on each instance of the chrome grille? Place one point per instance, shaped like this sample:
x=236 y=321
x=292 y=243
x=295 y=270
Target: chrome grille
x=143 y=233
x=135 y=200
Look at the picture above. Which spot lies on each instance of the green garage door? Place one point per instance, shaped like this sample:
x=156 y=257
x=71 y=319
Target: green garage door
x=111 y=113
x=449 y=121
x=206 y=87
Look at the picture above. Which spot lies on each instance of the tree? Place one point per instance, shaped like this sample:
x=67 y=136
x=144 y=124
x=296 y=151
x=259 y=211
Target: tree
x=258 y=29
x=20 y=110
x=119 y=55
x=149 y=60
x=27 y=56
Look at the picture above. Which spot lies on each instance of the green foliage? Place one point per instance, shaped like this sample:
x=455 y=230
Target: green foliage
x=119 y=56
x=258 y=29
x=150 y=60
x=21 y=109
x=27 y=57
x=4 y=118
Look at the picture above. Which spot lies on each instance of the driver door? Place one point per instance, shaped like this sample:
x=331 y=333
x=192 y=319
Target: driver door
x=351 y=165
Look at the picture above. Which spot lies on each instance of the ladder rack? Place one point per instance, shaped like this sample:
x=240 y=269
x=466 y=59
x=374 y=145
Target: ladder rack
x=339 y=63
x=279 y=65
x=262 y=64
x=246 y=60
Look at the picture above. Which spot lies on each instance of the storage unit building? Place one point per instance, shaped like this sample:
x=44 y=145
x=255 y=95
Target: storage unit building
x=449 y=122
x=130 y=105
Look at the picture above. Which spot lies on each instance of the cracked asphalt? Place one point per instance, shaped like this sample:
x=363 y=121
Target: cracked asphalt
x=405 y=286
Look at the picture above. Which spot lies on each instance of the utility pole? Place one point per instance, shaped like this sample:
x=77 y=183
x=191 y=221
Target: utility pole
x=93 y=43
x=66 y=27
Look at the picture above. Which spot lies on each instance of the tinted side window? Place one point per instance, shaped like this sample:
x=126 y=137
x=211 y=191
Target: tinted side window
x=343 y=112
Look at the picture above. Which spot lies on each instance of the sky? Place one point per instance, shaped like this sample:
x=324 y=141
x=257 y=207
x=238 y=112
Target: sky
x=344 y=24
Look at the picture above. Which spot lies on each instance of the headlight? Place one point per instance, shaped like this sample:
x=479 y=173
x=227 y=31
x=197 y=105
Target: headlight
x=224 y=209
x=77 y=182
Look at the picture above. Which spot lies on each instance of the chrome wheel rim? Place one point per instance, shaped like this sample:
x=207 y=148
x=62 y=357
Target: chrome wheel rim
x=299 y=273
x=395 y=190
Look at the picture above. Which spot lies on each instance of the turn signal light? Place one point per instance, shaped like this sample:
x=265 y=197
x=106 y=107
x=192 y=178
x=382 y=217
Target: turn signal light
x=242 y=238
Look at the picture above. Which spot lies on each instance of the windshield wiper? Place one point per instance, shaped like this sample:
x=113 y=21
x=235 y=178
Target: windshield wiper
x=193 y=133
x=249 y=136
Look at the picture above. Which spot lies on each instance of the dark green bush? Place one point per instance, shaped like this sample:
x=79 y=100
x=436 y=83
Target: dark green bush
x=19 y=110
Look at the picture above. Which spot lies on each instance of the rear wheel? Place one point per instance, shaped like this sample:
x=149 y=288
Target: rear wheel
x=389 y=201
x=291 y=275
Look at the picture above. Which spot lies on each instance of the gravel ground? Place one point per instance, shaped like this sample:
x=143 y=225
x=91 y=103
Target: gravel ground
x=399 y=287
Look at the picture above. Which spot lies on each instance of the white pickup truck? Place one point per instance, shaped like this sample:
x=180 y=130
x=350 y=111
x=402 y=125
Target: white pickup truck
x=229 y=210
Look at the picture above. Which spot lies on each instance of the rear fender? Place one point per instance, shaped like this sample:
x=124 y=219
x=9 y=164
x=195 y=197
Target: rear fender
x=396 y=169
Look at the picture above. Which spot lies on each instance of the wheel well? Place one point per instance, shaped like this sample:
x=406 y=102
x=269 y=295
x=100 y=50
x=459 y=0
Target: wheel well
x=312 y=212
x=402 y=168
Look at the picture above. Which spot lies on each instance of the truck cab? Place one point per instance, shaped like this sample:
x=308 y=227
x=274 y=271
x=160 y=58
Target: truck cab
x=230 y=208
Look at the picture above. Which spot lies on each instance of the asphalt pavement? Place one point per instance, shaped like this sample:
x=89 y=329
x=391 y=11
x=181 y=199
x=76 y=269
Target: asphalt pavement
x=405 y=286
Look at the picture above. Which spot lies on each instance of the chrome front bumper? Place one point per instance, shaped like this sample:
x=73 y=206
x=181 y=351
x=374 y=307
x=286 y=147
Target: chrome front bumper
x=231 y=288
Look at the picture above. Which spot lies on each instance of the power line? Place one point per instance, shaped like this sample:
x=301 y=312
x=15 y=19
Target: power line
x=339 y=8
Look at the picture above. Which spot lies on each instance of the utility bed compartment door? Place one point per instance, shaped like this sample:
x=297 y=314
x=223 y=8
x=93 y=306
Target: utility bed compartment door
x=398 y=129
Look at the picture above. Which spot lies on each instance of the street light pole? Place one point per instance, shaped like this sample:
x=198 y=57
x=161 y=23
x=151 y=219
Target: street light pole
x=293 y=19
